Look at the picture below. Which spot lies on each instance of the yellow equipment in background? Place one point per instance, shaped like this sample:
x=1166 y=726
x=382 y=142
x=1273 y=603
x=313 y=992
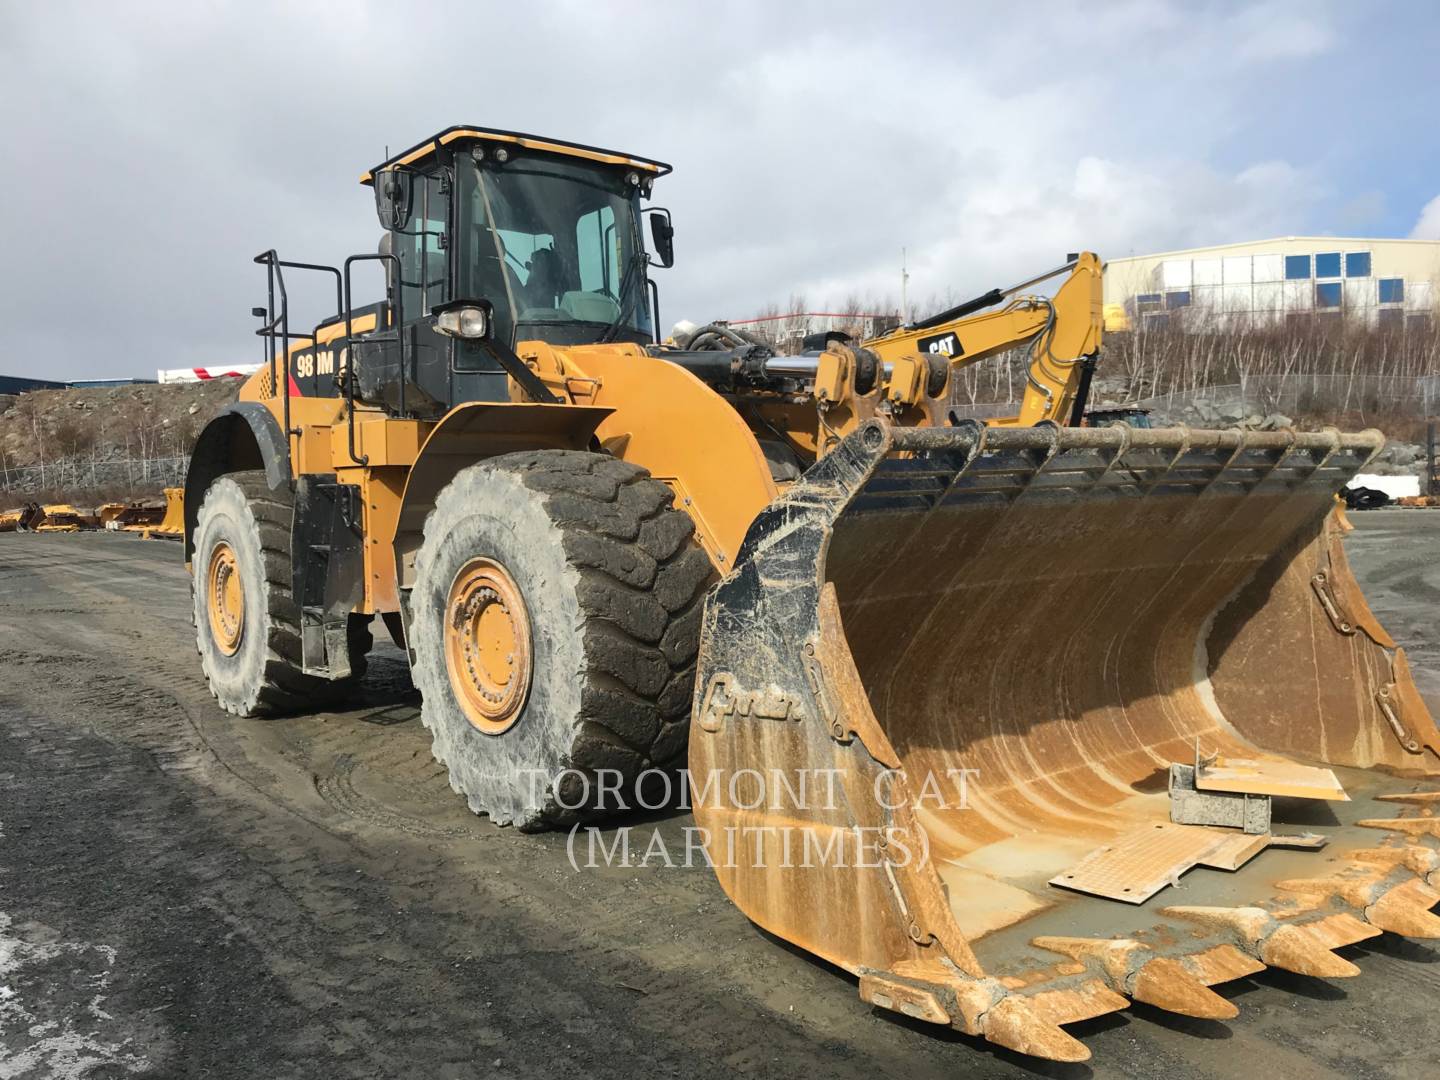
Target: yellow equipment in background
x=1117 y=320
x=139 y=516
x=109 y=512
x=171 y=523
x=955 y=695
x=151 y=517
x=59 y=518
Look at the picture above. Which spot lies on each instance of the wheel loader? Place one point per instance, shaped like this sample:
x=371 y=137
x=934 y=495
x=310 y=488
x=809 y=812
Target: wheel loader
x=1100 y=713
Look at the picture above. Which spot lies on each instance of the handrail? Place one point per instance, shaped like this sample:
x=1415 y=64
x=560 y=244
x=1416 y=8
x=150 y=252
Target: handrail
x=278 y=324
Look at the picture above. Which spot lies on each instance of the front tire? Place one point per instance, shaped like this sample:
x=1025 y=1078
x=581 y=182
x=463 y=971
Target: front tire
x=555 y=618
x=247 y=625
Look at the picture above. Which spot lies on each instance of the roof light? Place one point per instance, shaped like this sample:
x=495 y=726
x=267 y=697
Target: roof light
x=632 y=178
x=502 y=155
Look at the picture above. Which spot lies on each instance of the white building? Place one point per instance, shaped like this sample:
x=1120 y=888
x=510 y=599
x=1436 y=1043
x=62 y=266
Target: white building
x=1379 y=282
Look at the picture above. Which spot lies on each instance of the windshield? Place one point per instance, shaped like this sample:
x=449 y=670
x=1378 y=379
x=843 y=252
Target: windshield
x=554 y=245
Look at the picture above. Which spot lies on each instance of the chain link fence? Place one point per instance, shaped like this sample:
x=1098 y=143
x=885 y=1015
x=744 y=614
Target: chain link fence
x=85 y=474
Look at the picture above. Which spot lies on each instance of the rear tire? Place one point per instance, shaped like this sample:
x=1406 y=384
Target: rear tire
x=596 y=584
x=248 y=636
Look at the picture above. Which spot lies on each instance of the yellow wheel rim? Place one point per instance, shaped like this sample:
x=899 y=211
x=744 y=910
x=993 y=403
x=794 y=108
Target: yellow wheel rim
x=225 y=599
x=487 y=645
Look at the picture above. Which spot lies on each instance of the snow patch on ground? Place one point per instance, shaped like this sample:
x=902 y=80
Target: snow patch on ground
x=69 y=1046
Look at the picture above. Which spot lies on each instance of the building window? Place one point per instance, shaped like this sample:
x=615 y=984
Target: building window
x=1297 y=267
x=1327 y=293
x=1392 y=290
x=1392 y=317
x=1148 y=302
x=1357 y=264
x=1327 y=264
x=1178 y=299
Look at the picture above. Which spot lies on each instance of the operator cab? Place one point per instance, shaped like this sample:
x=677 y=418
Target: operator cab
x=541 y=237
x=491 y=238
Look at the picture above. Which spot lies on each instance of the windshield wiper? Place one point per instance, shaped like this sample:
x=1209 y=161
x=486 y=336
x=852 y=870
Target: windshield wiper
x=608 y=334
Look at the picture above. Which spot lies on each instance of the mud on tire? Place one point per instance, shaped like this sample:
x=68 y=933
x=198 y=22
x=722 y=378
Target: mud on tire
x=263 y=674
x=612 y=583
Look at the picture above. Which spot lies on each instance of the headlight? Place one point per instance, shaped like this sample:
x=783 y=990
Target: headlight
x=464 y=322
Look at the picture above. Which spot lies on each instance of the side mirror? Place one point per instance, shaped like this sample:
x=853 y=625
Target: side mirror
x=392 y=198
x=662 y=233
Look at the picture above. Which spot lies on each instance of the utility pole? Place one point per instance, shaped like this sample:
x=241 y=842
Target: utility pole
x=904 y=281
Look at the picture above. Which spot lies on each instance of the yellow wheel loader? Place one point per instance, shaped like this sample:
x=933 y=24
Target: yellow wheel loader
x=962 y=702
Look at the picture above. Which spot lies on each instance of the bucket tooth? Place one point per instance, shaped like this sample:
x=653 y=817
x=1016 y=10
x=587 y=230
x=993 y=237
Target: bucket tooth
x=1357 y=891
x=1166 y=984
x=1334 y=931
x=1412 y=826
x=1222 y=963
x=1251 y=923
x=1415 y=798
x=1420 y=861
x=1014 y=1025
x=1294 y=950
x=1072 y=1004
x=1113 y=954
x=1405 y=910
x=1308 y=948
x=1159 y=981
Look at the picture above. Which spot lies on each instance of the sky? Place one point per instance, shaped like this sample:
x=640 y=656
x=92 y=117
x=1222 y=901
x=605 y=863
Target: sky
x=152 y=150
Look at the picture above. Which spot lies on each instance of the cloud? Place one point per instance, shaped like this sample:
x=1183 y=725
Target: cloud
x=1427 y=226
x=164 y=146
x=1280 y=30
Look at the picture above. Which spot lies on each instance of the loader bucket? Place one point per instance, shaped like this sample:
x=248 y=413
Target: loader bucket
x=108 y=514
x=172 y=525
x=140 y=516
x=952 y=664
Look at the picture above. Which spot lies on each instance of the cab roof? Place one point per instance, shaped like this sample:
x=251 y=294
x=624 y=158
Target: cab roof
x=463 y=133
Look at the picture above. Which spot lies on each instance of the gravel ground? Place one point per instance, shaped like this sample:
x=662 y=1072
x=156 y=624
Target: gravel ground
x=186 y=894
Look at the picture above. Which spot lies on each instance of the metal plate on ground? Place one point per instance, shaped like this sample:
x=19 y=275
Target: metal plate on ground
x=1234 y=851
x=1279 y=778
x=1138 y=864
x=1141 y=863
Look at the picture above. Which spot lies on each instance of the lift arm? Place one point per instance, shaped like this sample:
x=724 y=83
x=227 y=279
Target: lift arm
x=1064 y=333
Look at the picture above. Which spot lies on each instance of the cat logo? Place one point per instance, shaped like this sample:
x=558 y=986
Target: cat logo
x=947 y=344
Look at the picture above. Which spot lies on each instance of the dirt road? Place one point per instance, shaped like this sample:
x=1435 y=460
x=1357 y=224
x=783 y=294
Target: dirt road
x=187 y=894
